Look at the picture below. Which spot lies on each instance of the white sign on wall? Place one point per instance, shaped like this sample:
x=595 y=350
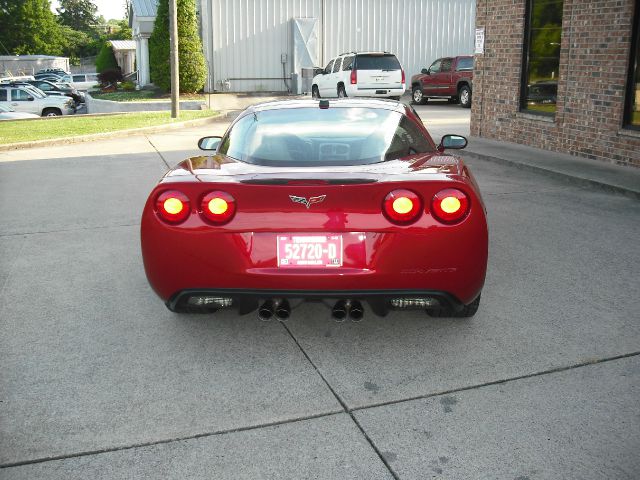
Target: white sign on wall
x=479 y=40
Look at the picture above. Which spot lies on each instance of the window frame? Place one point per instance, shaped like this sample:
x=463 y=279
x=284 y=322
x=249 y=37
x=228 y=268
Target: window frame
x=633 y=67
x=524 y=66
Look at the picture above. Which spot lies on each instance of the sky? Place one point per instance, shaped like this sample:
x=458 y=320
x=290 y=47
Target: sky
x=107 y=8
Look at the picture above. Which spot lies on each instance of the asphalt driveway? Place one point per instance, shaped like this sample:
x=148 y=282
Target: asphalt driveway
x=99 y=380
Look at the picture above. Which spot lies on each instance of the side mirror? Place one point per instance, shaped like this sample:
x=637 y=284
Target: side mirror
x=425 y=71
x=457 y=142
x=209 y=143
x=30 y=99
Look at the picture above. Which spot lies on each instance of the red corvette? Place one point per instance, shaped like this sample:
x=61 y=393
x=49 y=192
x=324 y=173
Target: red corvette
x=347 y=201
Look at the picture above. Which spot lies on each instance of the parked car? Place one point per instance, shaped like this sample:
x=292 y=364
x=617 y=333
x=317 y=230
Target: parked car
x=542 y=93
x=345 y=200
x=6 y=113
x=365 y=74
x=26 y=98
x=449 y=77
x=83 y=81
x=57 y=71
x=51 y=88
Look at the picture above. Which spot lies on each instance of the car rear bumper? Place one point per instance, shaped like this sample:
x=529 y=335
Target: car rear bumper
x=383 y=92
x=247 y=301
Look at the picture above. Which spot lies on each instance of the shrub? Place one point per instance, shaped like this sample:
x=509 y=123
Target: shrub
x=106 y=59
x=128 y=86
x=110 y=77
x=193 y=71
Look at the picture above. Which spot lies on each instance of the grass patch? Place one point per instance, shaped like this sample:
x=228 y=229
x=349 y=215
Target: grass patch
x=546 y=108
x=72 y=126
x=145 y=95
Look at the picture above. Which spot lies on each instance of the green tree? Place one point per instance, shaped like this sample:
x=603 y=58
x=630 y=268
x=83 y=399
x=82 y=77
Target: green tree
x=121 y=30
x=106 y=59
x=75 y=44
x=28 y=27
x=192 y=66
x=81 y=15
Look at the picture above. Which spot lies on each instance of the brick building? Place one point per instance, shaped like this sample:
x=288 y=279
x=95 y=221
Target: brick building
x=561 y=75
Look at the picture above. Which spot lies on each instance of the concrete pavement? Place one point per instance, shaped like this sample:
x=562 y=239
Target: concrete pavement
x=99 y=380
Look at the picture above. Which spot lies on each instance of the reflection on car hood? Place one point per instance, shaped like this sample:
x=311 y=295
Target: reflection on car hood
x=223 y=168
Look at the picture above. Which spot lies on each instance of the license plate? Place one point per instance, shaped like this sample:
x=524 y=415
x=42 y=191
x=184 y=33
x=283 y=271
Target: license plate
x=309 y=251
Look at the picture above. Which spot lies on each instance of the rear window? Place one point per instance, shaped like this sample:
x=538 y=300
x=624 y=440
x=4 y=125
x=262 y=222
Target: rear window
x=377 y=62
x=465 y=64
x=308 y=137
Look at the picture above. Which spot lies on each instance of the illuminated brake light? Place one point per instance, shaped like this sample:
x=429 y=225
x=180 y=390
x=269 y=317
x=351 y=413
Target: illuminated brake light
x=402 y=206
x=450 y=205
x=354 y=77
x=218 y=207
x=172 y=206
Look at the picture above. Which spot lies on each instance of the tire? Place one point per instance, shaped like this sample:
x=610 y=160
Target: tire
x=467 y=311
x=464 y=94
x=417 y=96
x=342 y=93
x=51 y=112
x=315 y=93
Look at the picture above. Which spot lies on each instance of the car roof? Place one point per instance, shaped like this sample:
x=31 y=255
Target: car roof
x=333 y=103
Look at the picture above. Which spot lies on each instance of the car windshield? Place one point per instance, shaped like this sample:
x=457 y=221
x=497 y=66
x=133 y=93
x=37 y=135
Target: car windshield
x=377 y=62
x=309 y=137
x=35 y=91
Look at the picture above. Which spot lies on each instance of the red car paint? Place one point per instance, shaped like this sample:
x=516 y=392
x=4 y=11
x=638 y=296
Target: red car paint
x=378 y=256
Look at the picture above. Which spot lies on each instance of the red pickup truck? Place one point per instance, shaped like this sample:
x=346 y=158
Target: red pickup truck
x=448 y=77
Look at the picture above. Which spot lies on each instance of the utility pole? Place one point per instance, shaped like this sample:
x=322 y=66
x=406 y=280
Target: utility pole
x=175 y=68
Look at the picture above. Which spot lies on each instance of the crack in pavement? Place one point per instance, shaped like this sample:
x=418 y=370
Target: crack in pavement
x=345 y=409
x=73 y=229
x=344 y=405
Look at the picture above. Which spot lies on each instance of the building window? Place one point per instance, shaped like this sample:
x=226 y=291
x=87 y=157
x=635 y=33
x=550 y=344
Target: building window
x=632 y=103
x=541 y=56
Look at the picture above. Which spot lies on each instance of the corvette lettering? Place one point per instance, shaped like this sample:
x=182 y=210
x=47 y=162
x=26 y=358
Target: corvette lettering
x=307 y=202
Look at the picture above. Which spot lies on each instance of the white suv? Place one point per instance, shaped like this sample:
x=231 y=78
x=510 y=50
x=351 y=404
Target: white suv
x=365 y=74
x=25 y=98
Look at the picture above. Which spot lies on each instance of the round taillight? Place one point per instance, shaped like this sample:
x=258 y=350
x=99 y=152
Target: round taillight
x=218 y=207
x=450 y=205
x=402 y=206
x=172 y=206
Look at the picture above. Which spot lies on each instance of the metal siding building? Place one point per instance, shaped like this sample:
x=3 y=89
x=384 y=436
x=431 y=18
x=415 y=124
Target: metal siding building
x=245 y=40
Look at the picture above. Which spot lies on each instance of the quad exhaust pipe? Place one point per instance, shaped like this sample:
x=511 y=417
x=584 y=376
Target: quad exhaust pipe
x=281 y=309
x=347 y=308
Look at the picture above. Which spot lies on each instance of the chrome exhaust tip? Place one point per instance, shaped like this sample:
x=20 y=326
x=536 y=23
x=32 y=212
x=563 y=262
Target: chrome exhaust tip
x=283 y=310
x=356 y=312
x=339 y=311
x=265 y=312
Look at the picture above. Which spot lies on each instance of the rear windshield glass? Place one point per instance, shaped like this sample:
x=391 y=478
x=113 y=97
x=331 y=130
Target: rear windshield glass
x=377 y=62
x=312 y=136
x=465 y=64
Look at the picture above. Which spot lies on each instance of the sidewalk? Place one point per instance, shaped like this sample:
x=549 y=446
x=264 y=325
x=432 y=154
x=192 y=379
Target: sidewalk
x=577 y=170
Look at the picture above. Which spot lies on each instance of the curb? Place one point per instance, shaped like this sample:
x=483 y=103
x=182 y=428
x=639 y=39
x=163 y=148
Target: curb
x=580 y=181
x=110 y=135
